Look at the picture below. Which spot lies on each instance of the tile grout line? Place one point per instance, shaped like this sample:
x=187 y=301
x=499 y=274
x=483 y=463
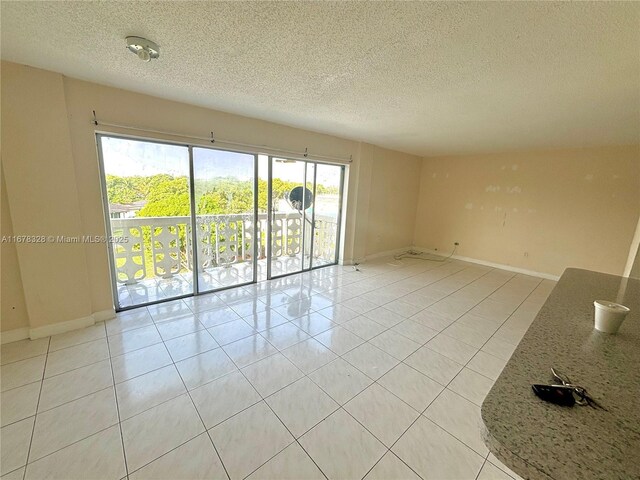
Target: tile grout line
x=201 y=421
x=75 y=442
x=150 y=371
x=421 y=413
x=16 y=388
x=375 y=381
x=263 y=399
x=172 y=398
x=30 y=357
x=296 y=439
x=112 y=386
x=446 y=386
x=505 y=321
x=479 y=349
x=484 y=462
x=115 y=394
x=185 y=315
x=304 y=375
x=173 y=363
x=338 y=356
x=35 y=415
x=341 y=407
x=193 y=403
x=163 y=321
x=81 y=396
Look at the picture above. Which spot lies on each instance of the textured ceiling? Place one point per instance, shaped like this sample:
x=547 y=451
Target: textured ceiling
x=426 y=78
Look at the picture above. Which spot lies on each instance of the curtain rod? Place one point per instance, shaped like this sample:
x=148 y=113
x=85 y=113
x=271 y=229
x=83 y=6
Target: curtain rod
x=213 y=140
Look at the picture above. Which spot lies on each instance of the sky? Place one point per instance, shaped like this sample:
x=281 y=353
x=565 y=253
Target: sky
x=127 y=158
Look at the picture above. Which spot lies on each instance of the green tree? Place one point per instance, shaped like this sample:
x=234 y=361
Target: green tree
x=167 y=197
x=124 y=189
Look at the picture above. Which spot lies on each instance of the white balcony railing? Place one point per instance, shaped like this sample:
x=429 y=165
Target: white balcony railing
x=162 y=246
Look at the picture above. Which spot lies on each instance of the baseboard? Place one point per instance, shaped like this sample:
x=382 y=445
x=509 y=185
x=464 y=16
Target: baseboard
x=501 y=266
x=55 y=328
x=14 y=335
x=62 y=327
x=104 y=315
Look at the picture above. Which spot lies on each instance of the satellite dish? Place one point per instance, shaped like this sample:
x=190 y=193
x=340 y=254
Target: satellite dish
x=299 y=196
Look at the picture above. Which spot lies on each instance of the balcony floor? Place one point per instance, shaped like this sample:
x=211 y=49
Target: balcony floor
x=158 y=288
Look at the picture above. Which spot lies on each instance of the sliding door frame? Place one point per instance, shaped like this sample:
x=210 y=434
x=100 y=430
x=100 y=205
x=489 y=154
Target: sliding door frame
x=313 y=213
x=194 y=225
x=107 y=220
x=99 y=134
x=196 y=290
x=336 y=259
x=336 y=253
x=270 y=214
x=256 y=221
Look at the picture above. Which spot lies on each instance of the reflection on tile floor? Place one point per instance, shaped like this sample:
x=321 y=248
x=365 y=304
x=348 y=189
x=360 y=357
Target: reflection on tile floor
x=334 y=374
x=158 y=288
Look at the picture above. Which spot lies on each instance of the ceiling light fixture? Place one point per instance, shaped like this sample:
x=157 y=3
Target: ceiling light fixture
x=143 y=48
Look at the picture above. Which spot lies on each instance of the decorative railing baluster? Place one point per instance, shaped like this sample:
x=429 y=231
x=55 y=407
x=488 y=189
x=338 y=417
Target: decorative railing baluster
x=162 y=246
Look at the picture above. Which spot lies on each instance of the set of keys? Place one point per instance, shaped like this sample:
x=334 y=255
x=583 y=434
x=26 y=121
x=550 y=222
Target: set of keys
x=565 y=392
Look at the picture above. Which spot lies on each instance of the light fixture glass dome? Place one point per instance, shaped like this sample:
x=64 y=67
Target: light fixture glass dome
x=143 y=48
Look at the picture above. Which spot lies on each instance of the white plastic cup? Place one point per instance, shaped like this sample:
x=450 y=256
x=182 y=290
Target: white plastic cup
x=609 y=316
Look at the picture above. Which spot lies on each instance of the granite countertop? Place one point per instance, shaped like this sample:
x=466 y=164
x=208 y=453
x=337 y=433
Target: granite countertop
x=537 y=439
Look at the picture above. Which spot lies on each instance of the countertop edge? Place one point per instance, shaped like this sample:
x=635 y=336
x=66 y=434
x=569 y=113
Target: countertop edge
x=511 y=460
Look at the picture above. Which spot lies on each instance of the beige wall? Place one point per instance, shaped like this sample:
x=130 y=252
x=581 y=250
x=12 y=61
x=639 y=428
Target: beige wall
x=395 y=186
x=385 y=198
x=53 y=186
x=42 y=195
x=13 y=308
x=635 y=268
x=541 y=211
x=632 y=268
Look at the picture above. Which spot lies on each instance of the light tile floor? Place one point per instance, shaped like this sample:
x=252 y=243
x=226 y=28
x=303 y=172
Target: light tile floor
x=337 y=373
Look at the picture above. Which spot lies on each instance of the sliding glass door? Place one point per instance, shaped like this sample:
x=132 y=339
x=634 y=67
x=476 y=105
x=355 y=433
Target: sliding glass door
x=147 y=190
x=309 y=201
x=187 y=220
x=225 y=218
x=326 y=214
x=305 y=202
x=287 y=215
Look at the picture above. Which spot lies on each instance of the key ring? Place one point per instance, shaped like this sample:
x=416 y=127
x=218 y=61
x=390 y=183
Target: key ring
x=583 y=396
